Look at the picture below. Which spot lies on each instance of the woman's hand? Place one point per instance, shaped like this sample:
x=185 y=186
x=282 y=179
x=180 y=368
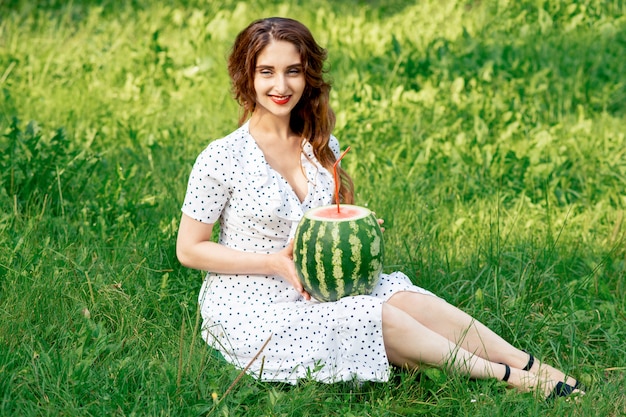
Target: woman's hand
x=285 y=267
x=380 y=222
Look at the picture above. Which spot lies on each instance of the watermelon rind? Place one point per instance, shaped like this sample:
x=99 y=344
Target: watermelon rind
x=337 y=257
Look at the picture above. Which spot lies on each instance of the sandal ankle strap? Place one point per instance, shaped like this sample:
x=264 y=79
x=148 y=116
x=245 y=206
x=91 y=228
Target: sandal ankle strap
x=507 y=372
x=531 y=362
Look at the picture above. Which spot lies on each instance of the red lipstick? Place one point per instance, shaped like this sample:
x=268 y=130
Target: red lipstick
x=280 y=100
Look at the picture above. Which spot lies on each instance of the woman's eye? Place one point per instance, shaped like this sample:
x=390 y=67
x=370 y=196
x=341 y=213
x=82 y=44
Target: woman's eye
x=266 y=72
x=294 y=71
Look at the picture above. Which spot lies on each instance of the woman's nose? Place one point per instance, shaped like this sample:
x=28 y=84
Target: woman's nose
x=280 y=83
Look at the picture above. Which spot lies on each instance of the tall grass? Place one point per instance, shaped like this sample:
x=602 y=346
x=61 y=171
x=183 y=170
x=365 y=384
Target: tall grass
x=488 y=135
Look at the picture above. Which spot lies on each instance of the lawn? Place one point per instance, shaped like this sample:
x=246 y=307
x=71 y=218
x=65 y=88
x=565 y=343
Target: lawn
x=488 y=134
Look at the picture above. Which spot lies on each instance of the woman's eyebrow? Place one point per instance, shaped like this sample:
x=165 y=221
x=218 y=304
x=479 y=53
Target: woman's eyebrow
x=298 y=65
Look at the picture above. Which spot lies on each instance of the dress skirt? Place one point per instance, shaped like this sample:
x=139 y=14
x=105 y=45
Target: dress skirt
x=324 y=341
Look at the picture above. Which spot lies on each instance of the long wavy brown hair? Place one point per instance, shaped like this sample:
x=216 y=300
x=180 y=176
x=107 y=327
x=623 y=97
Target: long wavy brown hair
x=312 y=118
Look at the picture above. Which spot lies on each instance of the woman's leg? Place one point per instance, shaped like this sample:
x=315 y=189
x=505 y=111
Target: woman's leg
x=463 y=330
x=409 y=343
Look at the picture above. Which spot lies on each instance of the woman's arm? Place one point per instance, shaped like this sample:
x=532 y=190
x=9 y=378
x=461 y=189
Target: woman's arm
x=195 y=249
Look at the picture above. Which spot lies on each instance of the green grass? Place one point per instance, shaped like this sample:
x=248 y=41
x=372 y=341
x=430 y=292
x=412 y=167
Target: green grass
x=488 y=135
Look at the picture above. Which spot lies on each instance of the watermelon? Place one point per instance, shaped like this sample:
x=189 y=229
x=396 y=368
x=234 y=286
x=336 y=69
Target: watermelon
x=338 y=253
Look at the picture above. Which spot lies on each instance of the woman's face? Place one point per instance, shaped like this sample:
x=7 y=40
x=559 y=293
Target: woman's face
x=278 y=79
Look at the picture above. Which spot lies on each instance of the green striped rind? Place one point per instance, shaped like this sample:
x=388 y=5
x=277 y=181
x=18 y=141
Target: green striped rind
x=338 y=258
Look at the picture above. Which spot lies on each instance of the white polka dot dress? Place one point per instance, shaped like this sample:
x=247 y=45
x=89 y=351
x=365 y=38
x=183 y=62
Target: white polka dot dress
x=231 y=183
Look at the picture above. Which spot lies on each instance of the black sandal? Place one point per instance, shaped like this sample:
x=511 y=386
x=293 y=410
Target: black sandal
x=507 y=372
x=561 y=390
x=531 y=362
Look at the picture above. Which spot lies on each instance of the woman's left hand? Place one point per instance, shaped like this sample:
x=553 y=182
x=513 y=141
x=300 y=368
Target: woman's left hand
x=380 y=222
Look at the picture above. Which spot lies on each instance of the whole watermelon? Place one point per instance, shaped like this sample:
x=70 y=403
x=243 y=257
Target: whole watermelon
x=338 y=254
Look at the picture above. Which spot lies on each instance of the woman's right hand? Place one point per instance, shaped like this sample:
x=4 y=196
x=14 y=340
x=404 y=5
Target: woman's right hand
x=286 y=268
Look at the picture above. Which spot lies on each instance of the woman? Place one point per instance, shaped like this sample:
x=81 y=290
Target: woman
x=257 y=182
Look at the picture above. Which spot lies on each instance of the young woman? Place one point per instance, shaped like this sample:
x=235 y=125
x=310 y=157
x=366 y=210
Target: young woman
x=257 y=182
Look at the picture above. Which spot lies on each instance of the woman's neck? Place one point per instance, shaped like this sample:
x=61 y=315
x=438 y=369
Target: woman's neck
x=267 y=126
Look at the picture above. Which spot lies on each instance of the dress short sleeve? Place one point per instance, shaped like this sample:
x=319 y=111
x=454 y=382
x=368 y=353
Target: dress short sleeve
x=333 y=143
x=208 y=188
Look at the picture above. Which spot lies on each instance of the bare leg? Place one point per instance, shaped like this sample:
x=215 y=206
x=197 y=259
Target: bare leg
x=467 y=332
x=409 y=343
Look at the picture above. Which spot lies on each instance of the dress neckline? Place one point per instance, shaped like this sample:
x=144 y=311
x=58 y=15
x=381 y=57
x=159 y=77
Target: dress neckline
x=303 y=157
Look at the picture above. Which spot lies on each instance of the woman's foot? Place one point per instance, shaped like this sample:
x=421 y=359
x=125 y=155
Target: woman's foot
x=525 y=381
x=563 y=390
x=546 y=371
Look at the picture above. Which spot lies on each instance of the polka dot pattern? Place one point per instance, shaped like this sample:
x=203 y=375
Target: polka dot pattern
x=231 y=183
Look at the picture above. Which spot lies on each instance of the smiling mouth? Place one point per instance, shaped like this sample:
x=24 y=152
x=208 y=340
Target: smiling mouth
x=280 y=99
